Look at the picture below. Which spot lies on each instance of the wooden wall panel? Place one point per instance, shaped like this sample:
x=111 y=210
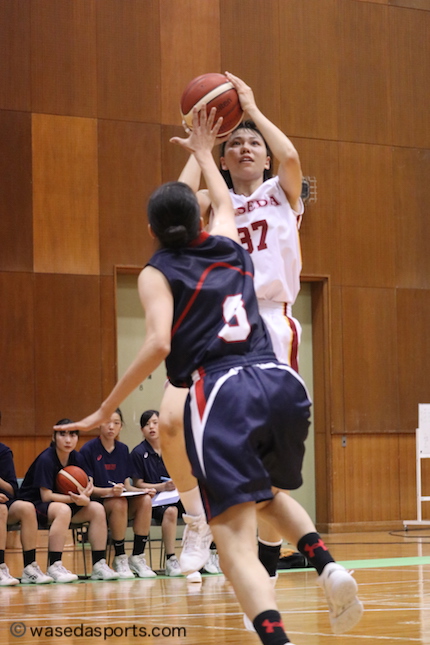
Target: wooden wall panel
x=15 y=55
x=190 y=46
x=129 y=170
x=16 y=223
x=128 y=55
x=337 y=382
x=321 y=409
x=411 y=170
x=372 y=486
x=67 y=348
x=108 y=334
x=369 y=334
x=320 y=230
x=17 y=353
x=413 y=316
x=407 y=451
x=245 y=44
x=63 y=57
x=366 y=214
x=338 y=481
x=309 y=69
x=411 y=4
x=65 y=206
x=364 y=110
x=410 y=87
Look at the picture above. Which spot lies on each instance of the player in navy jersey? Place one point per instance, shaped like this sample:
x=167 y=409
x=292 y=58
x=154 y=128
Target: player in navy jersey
x=56 y=511
x=247 y=414
x=17 y=511
x=149 y=471
x=108 y=461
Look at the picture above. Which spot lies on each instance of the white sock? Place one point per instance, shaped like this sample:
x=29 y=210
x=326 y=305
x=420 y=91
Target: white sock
x=192 y=502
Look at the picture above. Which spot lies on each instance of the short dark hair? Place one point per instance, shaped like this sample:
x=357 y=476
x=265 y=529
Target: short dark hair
x=174 y=214
x=145 y=416
x=246 y=125
x=63 y=422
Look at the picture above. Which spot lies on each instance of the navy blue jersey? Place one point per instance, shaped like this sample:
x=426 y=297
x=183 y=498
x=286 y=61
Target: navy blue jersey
x=147 y=464
x=104 y=466
x=43 y=473
x=7 y=469
x=215 y=307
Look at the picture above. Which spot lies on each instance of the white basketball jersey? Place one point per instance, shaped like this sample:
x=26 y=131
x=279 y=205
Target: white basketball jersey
x=269 y=229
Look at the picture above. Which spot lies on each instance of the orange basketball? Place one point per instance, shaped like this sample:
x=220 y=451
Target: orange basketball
x=68 y=479
x=214 y=90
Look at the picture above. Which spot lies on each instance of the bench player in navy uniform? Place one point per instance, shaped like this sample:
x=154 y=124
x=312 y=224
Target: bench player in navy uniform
x=107 y=460
x=17 y=511
x=247 y=415
x=149 y=471
x=56 y=511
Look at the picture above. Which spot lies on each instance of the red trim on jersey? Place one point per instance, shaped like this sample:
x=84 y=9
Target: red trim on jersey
x=199 y=287
x=294 y=353
x=200 y=394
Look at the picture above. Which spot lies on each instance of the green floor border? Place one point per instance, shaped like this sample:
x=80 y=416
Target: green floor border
x=375 y=564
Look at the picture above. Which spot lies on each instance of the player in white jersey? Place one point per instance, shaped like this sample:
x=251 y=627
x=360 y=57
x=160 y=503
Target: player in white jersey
x=268 y=215
x=268 y=228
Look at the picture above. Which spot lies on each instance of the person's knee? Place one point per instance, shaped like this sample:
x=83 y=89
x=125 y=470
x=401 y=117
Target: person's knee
x=60 y=513
x=171 y=514
x=3 y=513
x=97 y=511
x=25 y=511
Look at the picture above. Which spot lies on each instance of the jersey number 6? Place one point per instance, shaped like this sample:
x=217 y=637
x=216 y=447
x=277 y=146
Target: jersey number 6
x=237 y=327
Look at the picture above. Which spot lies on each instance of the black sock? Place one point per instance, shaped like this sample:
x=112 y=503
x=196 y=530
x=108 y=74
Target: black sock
x=54 y=556
x=315 y=551
x=212 y=546
x=119 y=546
x=269 y=556
x=98 y=555
x=169 y=555
x=270 y=628
x=29 y=557
x=1 y=556
x=139 y=544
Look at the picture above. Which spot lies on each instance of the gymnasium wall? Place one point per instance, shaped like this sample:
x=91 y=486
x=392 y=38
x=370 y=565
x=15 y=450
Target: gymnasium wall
x=89 y=94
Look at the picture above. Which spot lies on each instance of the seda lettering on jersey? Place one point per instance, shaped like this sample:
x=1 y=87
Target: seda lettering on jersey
x=252 y=204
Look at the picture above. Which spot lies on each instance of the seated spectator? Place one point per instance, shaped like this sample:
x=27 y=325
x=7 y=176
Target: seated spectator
x=13 y=511
x=57 y=511
x=107 y=460
x=149 y=471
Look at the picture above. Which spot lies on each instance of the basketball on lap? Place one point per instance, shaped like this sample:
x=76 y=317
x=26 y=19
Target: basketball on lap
x=214 y=90
x=69 y=478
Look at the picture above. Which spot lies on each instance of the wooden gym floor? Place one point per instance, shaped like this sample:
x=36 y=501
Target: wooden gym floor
x=392 y=569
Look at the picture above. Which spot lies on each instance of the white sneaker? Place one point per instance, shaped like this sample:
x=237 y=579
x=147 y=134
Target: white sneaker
x=247 y=621
x=121 y=566
x=137 y=563
x=212 y=565
x=195 y=576
x=6 y=580
x=60 y=574
x=101 y=571
x=196 y=541
x=32 y=575
x=172 y=567
x=341 y=592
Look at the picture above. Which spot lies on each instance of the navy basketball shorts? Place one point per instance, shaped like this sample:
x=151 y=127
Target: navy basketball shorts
x=245 y=430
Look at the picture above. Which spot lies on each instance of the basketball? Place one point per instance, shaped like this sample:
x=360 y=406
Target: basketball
x=69 y=478
x=216 y=91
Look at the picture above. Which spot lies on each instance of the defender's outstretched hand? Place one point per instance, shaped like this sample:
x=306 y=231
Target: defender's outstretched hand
x=204 y=132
